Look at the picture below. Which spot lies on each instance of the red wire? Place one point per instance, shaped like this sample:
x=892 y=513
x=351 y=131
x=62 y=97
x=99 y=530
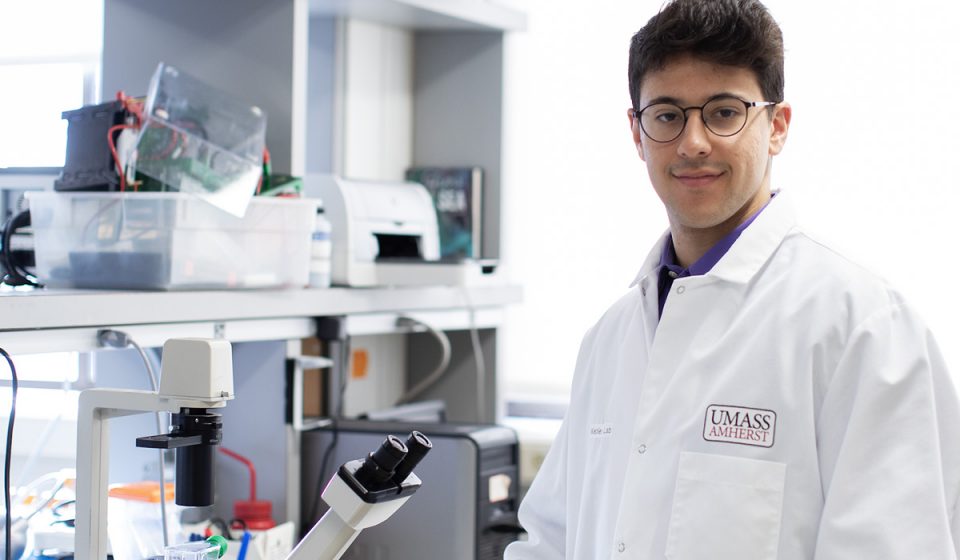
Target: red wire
x=266 y=160
x=170 y=147
x=135 y=107
x=249 y=464
x=113 y=150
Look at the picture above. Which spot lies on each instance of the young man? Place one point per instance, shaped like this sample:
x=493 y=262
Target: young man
x=755 y=395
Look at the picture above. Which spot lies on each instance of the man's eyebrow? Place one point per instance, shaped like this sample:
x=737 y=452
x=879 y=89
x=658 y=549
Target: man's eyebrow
x=725 y=94
x=679 y=103
x=664 y=99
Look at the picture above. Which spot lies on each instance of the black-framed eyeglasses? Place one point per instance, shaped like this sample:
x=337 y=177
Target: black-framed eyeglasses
x=723 y=115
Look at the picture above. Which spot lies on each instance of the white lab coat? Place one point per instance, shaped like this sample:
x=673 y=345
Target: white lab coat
x=788 y=406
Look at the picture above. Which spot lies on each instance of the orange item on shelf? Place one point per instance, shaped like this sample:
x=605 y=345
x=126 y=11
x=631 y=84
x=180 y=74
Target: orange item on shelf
x=145 y=491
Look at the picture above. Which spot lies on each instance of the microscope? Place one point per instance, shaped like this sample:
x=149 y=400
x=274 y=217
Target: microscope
x=364 y=493
x=196 y=377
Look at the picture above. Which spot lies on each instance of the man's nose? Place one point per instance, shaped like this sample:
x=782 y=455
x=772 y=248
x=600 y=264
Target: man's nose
x=695 y=138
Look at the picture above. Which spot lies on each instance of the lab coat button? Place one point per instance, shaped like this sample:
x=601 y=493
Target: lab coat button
x=681 y=289
x=643 y=291
x=621 y=547
x=642 y=449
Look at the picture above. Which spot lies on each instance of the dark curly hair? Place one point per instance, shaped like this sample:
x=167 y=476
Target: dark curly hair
x=729 y=32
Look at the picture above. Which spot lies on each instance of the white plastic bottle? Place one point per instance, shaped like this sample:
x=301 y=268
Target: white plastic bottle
x=321 y=249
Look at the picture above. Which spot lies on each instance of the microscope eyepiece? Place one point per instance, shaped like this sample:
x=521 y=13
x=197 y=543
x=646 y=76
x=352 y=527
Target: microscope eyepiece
x=391 y=452
x=419 y=442
x=379 y=466
x=418 y=445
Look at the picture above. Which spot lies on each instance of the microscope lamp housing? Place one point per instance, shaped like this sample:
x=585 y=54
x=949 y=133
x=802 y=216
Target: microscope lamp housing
x=197 y=368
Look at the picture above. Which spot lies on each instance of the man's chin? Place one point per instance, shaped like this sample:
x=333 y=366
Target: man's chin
x=698 y=220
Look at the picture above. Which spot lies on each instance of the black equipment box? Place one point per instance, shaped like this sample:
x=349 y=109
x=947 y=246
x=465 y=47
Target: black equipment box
x=89 y=164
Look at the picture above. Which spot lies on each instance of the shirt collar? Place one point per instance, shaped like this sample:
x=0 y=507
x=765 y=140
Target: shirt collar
x=736 y=262
x=707 y=261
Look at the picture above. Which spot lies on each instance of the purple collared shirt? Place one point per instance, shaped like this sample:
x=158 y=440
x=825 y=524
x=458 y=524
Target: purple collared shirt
x=669 y=269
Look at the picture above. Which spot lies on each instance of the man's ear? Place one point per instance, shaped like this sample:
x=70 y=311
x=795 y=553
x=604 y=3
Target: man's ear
x=636 y=132
x=779 y=126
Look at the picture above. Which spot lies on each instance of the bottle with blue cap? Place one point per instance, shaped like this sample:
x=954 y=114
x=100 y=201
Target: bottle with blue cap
x=321 y=251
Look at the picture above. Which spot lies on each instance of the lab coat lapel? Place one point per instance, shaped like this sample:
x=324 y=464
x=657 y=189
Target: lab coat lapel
x=646 y=282
x=758 y=242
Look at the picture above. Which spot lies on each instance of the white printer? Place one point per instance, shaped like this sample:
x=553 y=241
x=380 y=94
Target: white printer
x=384 y=233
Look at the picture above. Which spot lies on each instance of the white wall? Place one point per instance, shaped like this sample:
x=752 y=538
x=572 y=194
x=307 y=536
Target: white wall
x=49 y=58
x=871 y=160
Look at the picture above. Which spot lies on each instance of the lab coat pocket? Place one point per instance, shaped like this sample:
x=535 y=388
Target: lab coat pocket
x=726 y=508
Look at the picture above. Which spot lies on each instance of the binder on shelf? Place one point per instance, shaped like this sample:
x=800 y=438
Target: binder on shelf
x=457 y=198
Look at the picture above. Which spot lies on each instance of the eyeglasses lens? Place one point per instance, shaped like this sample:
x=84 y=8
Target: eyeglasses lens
x=664 y=122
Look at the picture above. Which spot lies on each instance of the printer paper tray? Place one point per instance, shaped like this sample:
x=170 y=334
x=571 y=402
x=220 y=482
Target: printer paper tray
x=415 y=274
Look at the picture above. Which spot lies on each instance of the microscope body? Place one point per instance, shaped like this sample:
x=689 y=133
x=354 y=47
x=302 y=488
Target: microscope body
x=197 y=375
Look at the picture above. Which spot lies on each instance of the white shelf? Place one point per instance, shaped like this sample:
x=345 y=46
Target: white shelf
x=480 y=15
x=68 y=320
x=56 y=309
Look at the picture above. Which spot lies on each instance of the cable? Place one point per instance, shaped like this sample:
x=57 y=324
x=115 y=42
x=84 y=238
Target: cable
x=9 y=454
x=113 y=150
x=41 y=442
x=154 y=385
x=335 y=435
x=439 y=370
x=119 y=339
x=481 y=370
x=160 y=429
x=16 y=275
x=10 y=276
x=59 y=480
x=477 y=356
x=223 y=526
x=132 y=107
x=154 y=355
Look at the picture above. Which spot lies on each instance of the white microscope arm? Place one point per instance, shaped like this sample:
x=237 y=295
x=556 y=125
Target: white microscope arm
x=347 y=516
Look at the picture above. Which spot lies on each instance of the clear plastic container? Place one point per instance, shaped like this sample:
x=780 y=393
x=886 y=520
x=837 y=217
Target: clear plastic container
x=210 y=549
x=169 y=241
x=198 y=139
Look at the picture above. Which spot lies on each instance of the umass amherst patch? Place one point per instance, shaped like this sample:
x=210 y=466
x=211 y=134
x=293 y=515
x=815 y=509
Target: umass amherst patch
x=740 y=424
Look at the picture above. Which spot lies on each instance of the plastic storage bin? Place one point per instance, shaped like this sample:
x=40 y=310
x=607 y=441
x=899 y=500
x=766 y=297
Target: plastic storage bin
x=169 y=241
x=210 y=549
x=198 y=139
